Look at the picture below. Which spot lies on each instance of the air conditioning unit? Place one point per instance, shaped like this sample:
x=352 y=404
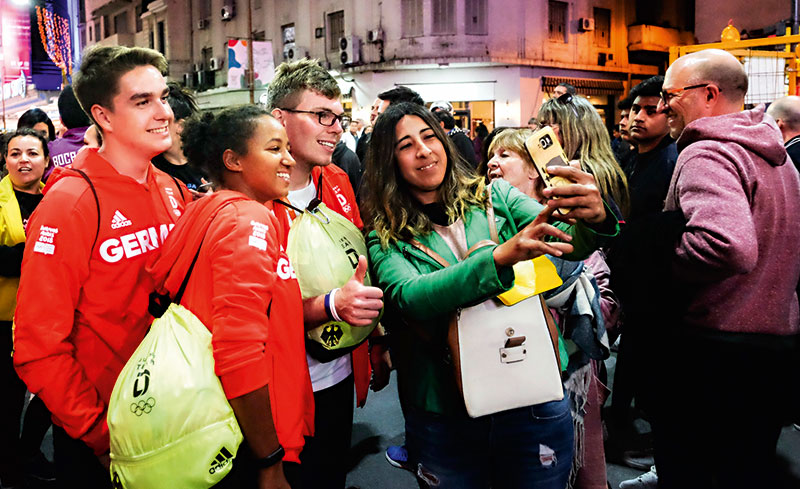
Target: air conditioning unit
x=215 y=64
x=228 y=11
x=197 y=67
x=189 y=80
x=375 y=35
x=206 y=79
x=350 y=50
x=585 y=24
x=202 y=24
x=292 y=52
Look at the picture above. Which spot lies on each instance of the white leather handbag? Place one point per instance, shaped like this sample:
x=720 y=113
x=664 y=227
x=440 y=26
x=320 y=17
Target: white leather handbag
x=505 y=357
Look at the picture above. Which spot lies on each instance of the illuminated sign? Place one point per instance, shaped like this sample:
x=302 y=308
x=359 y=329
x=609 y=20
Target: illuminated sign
x=15 y=88
x=16 y=45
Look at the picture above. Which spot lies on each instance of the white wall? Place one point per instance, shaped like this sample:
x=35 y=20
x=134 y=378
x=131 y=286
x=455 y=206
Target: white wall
x=500 y=84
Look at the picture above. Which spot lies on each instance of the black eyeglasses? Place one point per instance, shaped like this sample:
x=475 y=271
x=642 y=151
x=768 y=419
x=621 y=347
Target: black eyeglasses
x=669 y=94
x=566 y=99
x=326 y=117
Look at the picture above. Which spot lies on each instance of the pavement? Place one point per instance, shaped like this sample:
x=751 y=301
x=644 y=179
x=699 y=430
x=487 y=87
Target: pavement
x=380 y=424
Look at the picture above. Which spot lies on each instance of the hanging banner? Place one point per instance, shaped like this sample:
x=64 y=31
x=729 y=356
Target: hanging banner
x=263 y=64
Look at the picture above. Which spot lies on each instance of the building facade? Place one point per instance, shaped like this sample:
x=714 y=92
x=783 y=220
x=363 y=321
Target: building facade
x=495 y=60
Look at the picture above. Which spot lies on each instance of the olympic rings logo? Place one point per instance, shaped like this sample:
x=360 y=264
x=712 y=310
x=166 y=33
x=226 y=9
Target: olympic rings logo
x=143 y=406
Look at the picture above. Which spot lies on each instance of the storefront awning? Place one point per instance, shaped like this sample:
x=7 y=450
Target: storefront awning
x=585 y=86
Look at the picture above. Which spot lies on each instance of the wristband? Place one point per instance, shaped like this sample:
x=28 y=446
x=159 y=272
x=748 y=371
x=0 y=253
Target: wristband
x=332 y=305
x=328 y=306
x=270 y=460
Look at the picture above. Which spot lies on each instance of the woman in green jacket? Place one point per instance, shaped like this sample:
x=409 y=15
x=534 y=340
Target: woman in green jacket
x=418 y=189
x=26 y=156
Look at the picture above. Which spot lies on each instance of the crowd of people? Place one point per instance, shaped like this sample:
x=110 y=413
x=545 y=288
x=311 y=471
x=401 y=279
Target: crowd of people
x=672 y=238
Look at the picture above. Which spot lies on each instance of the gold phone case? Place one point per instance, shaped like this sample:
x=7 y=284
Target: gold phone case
x=545 y=150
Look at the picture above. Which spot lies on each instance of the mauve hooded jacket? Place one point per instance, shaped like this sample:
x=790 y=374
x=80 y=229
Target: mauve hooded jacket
x=737 y=260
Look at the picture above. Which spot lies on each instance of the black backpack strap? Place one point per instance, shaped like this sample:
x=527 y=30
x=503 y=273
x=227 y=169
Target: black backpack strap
x=182 y=289
x=178 y=184
x=290 y=206
x=316 y=201
x=159 y=303
x=96 y=201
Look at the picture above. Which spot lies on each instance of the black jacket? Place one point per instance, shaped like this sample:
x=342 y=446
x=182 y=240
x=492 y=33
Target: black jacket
x=465 y=148
x=345 y=159
x=639 y=257
x=793 y=148
x=362 y=145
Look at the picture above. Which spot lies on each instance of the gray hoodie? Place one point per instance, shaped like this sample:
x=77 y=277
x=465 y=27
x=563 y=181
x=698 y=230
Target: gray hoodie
x=738 y=259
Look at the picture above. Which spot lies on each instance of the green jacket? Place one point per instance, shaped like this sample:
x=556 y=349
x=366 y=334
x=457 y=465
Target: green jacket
x=420 y=295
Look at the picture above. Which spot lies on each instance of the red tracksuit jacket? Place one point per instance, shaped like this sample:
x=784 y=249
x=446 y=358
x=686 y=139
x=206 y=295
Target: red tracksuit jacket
x=338 y=195
x=244 y=290
x=82 y=304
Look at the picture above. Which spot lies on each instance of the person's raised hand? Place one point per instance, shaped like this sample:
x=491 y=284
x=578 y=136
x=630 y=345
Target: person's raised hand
x=582 y=196
x=529 y=242
x=358 y=304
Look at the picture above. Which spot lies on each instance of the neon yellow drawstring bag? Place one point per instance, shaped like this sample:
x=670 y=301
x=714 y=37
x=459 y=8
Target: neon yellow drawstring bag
x=324 y=247
x=169 y=421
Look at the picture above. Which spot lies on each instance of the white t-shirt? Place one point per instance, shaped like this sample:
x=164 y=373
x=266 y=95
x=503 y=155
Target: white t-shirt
x=323 y=375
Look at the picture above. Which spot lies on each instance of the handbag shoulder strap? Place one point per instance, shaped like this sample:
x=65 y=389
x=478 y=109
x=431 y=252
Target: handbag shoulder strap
x=425 y=249
x=552 y=329
x=490 y=217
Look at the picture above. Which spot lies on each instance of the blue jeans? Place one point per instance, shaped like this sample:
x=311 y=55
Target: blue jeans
x=522 y=448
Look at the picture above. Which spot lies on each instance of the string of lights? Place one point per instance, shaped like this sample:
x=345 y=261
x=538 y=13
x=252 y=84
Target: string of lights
x=55 y=35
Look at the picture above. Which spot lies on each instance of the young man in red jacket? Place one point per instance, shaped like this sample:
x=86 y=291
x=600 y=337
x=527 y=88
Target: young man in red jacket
x=305 y=99
x=82 y=302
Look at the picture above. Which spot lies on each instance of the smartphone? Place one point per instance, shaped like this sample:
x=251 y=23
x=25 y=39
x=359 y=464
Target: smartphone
x=545 y=151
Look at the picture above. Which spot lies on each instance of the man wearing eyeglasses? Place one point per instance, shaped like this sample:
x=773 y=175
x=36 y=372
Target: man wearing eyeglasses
x=735 y=267
x=305 y=99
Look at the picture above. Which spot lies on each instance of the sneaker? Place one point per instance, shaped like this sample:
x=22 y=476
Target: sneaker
x=648 y=480
x=797 y=426
x=397 y=456
x=638 y=459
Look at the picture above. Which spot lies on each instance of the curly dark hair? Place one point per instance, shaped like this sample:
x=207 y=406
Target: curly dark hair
x=206 y=136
